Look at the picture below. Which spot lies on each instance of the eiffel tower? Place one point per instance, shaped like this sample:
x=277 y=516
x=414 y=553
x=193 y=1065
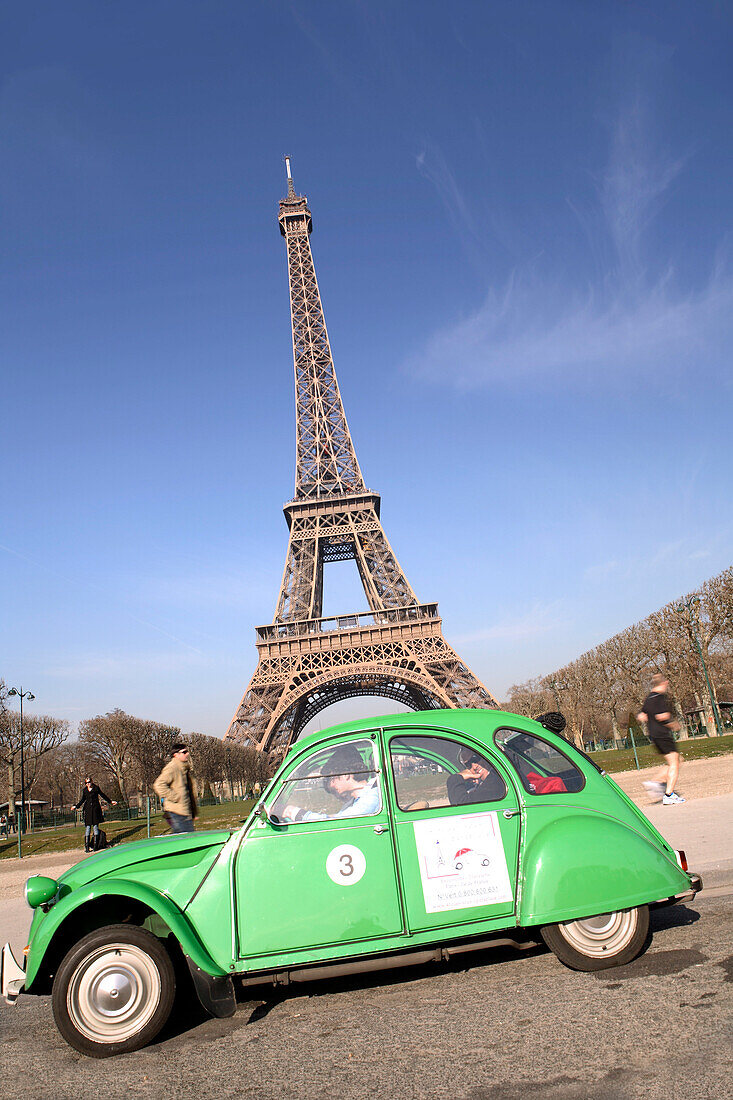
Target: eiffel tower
x=306 y=662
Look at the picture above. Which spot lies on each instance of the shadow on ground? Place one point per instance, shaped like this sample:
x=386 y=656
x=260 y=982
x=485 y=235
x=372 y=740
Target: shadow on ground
x=256 y=1003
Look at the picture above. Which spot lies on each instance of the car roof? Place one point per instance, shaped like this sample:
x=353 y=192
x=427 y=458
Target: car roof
x=477 y=723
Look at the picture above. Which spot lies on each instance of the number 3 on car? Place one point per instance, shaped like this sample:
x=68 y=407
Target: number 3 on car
x=406 y=839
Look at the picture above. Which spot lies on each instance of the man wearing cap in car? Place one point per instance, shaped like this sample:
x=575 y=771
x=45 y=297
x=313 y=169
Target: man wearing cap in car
x=348 y=779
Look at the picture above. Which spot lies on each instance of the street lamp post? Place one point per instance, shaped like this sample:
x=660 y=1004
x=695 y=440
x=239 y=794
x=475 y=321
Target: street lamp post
x=21 y=820
x=687 y=605
x=229 y=773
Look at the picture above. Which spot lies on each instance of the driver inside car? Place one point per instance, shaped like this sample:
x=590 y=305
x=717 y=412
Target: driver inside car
x=347 y=779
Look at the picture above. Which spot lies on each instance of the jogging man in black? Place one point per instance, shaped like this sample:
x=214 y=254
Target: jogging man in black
x=657 y=712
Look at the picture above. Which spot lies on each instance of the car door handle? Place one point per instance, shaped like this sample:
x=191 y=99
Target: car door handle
x=511 y=813
x=381 y=829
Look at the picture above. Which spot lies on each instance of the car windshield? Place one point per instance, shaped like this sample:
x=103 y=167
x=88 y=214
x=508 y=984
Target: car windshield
x=336 y=781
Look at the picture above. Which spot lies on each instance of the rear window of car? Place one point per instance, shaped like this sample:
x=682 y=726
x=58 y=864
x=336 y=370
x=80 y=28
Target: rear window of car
x=542 y=767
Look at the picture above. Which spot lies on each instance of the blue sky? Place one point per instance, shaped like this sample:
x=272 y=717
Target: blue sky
x=522 y=232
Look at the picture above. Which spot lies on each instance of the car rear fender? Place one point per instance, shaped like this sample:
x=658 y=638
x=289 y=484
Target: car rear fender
x=62 y=923
x=580 y=864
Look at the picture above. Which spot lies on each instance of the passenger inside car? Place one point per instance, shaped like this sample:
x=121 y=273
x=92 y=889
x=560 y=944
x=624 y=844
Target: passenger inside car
x=477 y=782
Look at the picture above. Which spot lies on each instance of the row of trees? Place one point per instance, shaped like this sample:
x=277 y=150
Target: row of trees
x=601 y=691
x=123 y=754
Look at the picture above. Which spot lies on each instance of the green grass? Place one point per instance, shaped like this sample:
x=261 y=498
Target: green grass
x=699 y=748
x=227 y=815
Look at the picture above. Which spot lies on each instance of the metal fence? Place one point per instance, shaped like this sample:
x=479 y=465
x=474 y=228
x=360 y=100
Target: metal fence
x=59 y=819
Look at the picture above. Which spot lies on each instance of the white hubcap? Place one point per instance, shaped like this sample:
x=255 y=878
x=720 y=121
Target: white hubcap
x=603 y=936
x=113 y=993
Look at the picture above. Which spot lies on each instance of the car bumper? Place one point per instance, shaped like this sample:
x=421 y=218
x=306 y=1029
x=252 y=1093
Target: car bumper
x=12 y=975
x=695 y=888
x=686 y=895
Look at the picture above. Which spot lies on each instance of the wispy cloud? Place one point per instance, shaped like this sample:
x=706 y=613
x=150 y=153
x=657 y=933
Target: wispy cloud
x=98 y=590
x=675 y=551
x=635 y=320
x=635 y=184
x=602 y=570
x=531 y=331
x=125 y=665
x=432 y=164
x=536 y=620
x=235 y=591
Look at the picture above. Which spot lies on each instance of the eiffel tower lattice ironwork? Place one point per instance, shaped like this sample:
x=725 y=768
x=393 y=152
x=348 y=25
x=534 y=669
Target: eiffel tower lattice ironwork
x=396 y=649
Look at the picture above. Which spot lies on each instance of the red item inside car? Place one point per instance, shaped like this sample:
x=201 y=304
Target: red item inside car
x=543 y=784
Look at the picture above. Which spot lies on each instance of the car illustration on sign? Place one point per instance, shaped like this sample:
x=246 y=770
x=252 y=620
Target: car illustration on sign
x=348 y=862
x=467 y=856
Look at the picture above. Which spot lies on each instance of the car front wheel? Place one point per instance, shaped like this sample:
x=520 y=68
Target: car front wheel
x=595 y=943
x=113 y=991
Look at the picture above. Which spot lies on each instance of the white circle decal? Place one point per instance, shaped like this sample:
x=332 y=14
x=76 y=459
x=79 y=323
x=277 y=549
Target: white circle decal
x=345 y=865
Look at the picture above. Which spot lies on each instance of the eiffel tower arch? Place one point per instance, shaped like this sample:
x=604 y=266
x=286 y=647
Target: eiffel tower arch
x=305 y=661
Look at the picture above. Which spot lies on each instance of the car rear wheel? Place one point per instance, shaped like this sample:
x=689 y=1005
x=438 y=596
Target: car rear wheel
x=596 y=943
x=113 y=991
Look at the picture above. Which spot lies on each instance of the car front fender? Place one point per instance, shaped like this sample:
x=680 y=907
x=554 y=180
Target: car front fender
x=584 y=863
x=56 y=922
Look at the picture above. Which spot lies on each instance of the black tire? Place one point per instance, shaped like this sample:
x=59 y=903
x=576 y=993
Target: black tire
x=597 y=943
x=113 y=991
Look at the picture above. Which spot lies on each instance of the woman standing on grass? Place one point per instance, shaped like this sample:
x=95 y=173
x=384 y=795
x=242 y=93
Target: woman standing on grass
x=92 y=812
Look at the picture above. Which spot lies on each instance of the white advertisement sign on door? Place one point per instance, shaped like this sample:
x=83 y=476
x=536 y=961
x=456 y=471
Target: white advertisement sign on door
x=462 y=862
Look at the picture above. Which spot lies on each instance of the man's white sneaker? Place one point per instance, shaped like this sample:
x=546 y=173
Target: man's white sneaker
x=654 y=787
x=672 y=799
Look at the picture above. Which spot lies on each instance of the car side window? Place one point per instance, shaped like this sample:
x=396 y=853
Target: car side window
x=430 y=772
x=339 y=781
x=543 y=768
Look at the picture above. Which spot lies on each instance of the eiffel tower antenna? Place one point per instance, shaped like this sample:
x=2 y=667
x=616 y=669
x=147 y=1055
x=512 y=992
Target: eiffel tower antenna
x=306 y=662
x=291 y=188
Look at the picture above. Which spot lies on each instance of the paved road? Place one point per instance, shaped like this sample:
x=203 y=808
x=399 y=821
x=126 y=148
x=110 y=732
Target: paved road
x=505 y=1027
x=500 y=1027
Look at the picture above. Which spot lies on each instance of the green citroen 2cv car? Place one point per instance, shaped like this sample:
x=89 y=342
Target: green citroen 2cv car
x=397 y=840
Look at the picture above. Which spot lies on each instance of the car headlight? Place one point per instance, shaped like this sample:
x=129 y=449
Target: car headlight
x=40 y=889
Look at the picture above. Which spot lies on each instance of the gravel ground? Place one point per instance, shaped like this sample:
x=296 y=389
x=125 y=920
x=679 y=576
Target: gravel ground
x=14 y=872
x=698 y=779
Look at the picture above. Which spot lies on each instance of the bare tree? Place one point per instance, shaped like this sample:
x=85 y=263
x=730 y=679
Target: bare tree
x=150 y=750
x=208 y=762
x=531 y=698
x=62 y=771
x=41 y=734
x=111 y=738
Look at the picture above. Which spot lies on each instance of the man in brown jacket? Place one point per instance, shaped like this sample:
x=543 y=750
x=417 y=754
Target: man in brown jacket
x=175 y=790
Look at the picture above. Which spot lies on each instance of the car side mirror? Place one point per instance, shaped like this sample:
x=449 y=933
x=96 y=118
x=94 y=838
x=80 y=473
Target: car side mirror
x=262 y=812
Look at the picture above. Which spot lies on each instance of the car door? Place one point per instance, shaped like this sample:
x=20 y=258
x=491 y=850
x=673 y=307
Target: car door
x=457 y=824
x=318 y=868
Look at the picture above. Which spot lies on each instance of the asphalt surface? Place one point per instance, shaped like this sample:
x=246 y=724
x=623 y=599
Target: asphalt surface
x=497 y=1026
x=503 y=1027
